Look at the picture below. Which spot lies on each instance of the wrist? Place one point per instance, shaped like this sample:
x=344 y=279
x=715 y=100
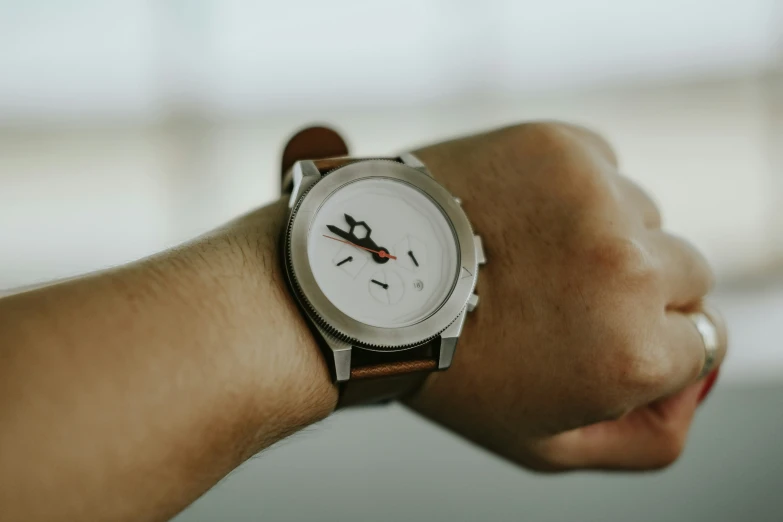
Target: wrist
x=285 y=378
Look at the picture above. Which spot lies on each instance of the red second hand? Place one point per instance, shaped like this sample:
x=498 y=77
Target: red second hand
x=380 y=253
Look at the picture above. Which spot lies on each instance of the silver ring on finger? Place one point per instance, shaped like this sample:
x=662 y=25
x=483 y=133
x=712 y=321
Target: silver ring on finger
x=710 y=338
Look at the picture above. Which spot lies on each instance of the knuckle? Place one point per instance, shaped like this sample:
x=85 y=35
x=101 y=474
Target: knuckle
x=549 y=145
x=709 y=278
x=699 y=270
x=553 y=155
x=549 y=133
x=642 y=368
x=703 y=272
x=633 y=365
x=628 y=262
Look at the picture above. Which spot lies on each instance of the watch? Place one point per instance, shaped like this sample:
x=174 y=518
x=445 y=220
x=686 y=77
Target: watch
x=382 y=261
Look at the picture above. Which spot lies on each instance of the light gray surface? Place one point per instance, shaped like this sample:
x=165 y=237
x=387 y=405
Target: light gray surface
x=386 y=464
x=234 y=57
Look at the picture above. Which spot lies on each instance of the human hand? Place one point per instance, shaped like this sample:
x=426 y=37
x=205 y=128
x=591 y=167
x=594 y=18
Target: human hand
x=581 y=354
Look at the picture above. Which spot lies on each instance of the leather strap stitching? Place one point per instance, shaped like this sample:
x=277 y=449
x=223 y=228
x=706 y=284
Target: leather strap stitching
x=395 y=368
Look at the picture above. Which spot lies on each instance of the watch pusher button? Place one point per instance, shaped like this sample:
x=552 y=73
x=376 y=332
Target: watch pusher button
x=480 y=256
x=473 y=302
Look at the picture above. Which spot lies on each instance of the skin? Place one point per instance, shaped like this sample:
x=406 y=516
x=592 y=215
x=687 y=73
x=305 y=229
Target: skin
x=127 y=394
x=587 y=359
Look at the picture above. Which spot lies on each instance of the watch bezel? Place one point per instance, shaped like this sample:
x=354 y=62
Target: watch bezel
x=326 y=314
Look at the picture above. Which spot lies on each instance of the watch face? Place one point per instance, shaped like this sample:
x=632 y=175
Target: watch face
x=383 y=252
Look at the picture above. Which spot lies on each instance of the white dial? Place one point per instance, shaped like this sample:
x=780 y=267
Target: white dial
x=383 y=252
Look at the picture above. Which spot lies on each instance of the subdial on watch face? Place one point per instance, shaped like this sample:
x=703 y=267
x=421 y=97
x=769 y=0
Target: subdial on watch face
x=350 y=260
x=386 y=287
x=411 y=253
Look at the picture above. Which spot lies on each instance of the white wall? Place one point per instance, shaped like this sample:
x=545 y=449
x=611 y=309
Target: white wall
x=131 y=60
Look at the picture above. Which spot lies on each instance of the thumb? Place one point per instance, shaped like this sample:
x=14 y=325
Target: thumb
x=650 y=437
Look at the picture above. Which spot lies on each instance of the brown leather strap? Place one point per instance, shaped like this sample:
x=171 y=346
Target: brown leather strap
x=395 y=368
x=327 y=164
x=324 y=166
x=310 y=143
x=361 y=392
x=375 y=376
x=380 y=376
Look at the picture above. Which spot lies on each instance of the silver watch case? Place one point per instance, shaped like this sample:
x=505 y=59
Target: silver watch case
x=311 y=190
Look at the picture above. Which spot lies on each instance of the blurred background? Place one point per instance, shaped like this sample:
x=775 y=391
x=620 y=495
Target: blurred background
x=129 y=126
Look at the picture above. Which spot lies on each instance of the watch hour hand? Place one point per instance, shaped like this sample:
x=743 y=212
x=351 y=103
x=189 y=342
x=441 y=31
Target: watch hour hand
x=365 y=242
x=342 y=233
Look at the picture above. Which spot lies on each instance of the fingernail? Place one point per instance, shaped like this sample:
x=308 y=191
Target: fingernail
x=709 y=382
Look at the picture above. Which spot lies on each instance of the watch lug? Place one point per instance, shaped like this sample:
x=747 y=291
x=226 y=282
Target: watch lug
x=448 y=341
x=342 y=359
x=304 y=174
x=412 y=161
x=340 y=354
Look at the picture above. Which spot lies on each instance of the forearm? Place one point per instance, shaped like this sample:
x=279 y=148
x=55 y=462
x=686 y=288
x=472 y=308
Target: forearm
x=127 y=394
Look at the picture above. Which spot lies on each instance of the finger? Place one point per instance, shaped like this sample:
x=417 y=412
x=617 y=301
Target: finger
x=639 y=202
x=709 y=383
x=686 y=349
x=651 y=437
x=687 y=275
